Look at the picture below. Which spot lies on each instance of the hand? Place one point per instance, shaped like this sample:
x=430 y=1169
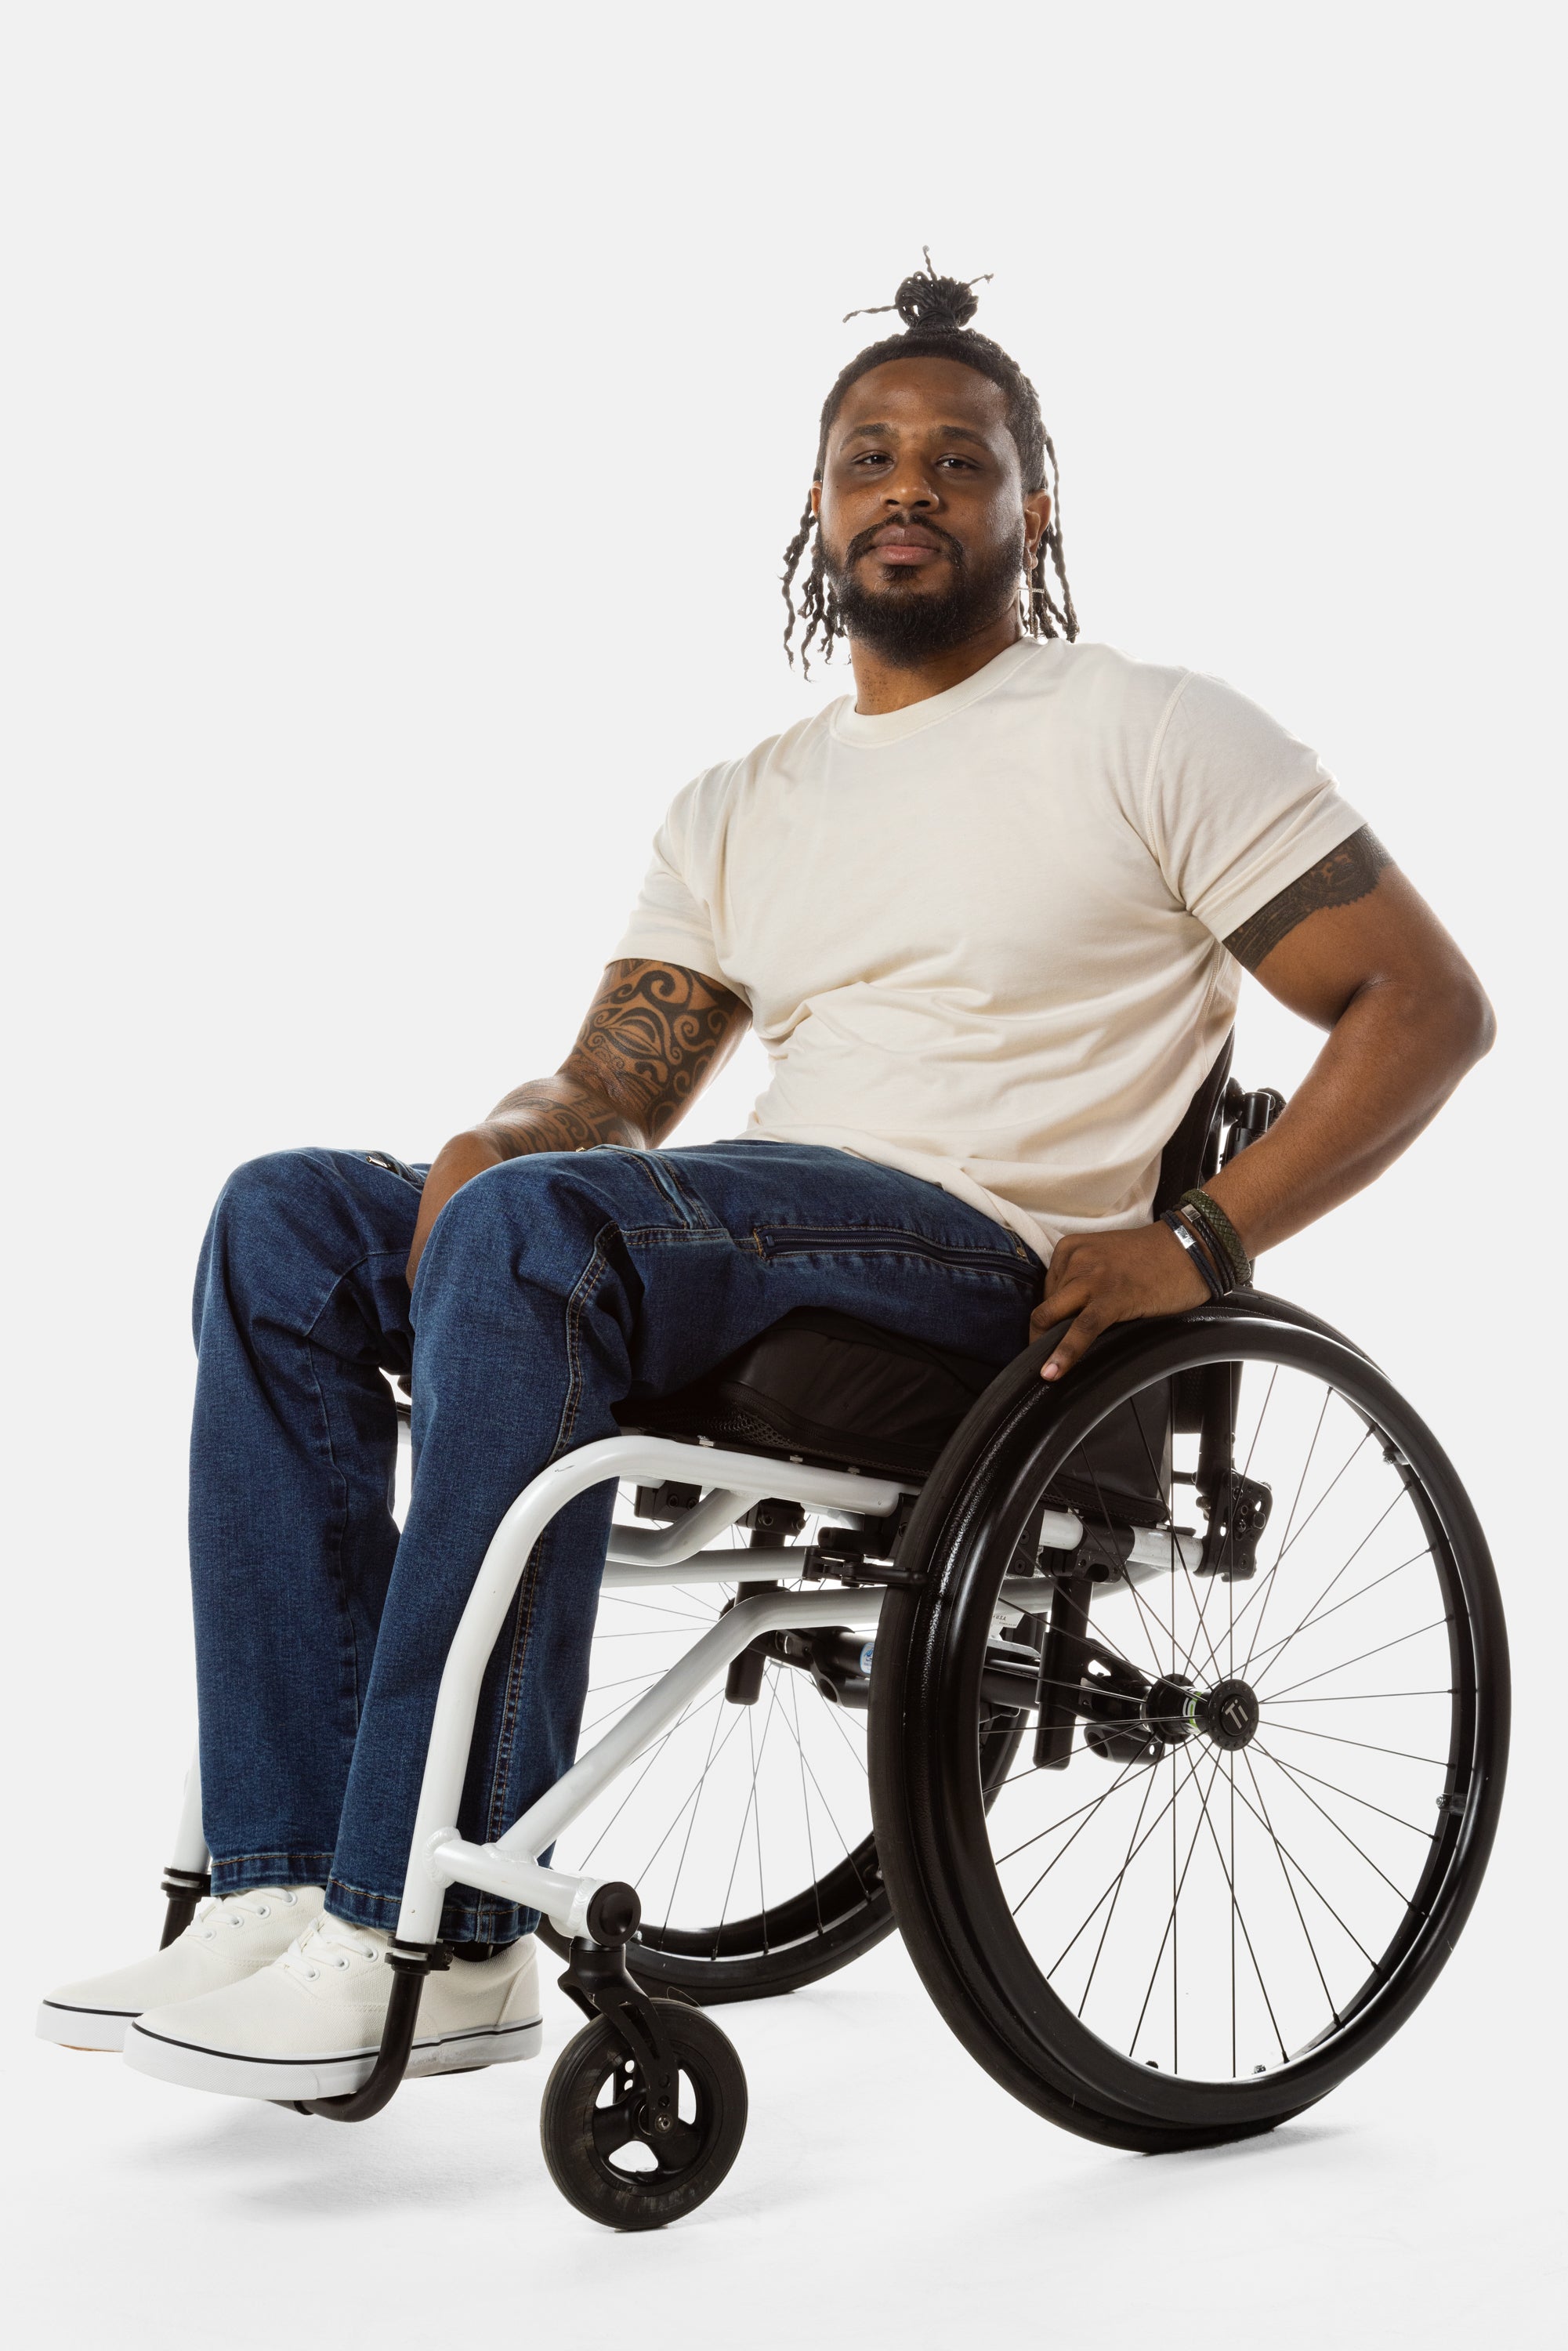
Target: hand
x=1098 y=1279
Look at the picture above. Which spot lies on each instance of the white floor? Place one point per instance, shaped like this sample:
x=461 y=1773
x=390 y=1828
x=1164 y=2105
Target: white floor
x=887 y=2193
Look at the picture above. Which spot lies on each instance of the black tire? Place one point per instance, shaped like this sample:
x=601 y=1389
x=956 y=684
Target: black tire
x=946 y=1881
x=581 y=2137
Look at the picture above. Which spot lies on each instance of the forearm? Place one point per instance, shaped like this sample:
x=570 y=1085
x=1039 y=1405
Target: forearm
x=654 y=1036
x=558 y=1114
x=1387 y=1066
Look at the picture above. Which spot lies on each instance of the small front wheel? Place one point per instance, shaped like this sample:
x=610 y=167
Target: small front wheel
x=601 y=2144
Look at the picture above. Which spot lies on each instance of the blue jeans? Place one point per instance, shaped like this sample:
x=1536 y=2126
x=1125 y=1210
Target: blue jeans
x=552 y=1287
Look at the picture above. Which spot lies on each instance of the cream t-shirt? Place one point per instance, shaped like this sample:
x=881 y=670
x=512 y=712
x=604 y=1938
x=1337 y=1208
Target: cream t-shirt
x=981 y=938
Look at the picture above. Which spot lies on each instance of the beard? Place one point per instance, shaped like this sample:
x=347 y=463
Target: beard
x=904 y=624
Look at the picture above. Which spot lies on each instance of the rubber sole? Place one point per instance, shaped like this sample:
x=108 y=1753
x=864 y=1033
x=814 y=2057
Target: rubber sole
x=83 y=2028
x=196 y=2068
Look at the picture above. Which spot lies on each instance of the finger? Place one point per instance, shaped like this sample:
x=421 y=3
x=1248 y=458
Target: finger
x=1058 y=1272
x=1070 y=1298
x=1073 y=1343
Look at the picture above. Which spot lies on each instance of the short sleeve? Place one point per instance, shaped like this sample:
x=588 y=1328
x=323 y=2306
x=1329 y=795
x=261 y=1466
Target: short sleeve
x=1236 y=808
x=670 y=922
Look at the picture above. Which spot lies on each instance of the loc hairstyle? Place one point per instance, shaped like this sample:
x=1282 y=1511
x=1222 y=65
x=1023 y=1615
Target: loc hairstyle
x=936 y=312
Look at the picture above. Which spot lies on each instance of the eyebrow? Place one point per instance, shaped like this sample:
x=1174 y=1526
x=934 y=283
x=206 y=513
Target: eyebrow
x=947 y=432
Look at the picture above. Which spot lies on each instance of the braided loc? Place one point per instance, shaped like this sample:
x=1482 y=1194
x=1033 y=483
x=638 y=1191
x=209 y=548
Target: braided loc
x=936 y=312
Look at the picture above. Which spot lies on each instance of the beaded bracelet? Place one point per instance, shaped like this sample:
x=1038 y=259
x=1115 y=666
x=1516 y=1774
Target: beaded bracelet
x=1194 y=1245
x=1218 y=1230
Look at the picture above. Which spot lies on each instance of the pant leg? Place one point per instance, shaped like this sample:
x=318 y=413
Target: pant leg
x=551 y=1288
x=300 y=1304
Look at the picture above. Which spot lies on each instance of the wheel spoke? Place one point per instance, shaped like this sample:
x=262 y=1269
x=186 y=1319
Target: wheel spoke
x=1297 y=1772
x=1121 y=1874
x=1344 y=1832
x=677 y=2149
x=1175 y=1897
x=1336 y=1738
x=1343 y=1569
x=1308 y=1621
x=1285 y=1854
x=613 y=2126
x=654 y=1754
x=1345 y=1662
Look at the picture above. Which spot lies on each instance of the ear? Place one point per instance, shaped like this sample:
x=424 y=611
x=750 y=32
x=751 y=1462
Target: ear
x=817 y=500
x=1036 y=519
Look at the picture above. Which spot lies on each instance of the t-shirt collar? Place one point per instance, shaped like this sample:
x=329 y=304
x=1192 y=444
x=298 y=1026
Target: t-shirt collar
x=851 y=726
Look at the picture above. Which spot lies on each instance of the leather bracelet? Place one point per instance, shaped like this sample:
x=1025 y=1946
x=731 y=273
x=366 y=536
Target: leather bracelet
x=1217 y=1228
x=1192 y=1244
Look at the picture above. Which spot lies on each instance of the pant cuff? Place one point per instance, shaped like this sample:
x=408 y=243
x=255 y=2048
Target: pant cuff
x=239 y=1873
x=466 y=1917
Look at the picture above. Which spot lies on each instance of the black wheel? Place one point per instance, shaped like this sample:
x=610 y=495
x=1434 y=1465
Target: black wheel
x=603 y=2150
x=747 y=1829
x=1275 y=1737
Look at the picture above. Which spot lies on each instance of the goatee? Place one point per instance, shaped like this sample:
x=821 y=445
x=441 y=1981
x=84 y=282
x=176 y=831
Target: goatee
x=902 y=623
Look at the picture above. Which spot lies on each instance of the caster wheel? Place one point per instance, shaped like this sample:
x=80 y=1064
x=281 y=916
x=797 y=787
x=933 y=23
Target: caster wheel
x=603 y=2152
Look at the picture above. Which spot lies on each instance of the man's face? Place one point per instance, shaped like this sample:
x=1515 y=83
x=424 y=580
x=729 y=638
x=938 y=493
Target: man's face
x=925 y=529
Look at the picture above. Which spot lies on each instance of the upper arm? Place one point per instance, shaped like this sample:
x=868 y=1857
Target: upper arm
x=1350 y=921
x=654 y=1034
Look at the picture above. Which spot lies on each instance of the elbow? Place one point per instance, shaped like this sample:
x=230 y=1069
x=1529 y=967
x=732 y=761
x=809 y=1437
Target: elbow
x=1476 y=1021
x=1467 y=1021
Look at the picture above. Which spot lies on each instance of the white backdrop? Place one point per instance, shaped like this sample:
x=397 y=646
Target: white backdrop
x=402 y=412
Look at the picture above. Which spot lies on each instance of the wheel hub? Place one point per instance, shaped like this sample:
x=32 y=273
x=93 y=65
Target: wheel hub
x=1228 y=1714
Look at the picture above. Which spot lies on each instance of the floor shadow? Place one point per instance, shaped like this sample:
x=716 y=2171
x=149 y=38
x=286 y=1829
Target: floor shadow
x=262 y=2158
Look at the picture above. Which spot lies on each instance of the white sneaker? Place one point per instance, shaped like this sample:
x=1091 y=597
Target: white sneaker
x=227 y=1940
x=310 y=2025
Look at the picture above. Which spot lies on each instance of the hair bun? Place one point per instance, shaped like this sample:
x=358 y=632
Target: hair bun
x=937 y=306
x=929 y=304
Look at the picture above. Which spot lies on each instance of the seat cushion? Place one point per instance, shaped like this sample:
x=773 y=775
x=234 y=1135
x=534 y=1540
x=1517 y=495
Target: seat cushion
x=825 y=1388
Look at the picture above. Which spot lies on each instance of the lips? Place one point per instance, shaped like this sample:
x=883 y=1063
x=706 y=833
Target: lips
x=905 y=547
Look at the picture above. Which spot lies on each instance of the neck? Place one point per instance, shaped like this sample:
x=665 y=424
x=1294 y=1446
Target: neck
x=882 y=685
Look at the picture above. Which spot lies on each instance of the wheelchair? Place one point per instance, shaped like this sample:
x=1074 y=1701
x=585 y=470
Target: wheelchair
x=1165 y=1711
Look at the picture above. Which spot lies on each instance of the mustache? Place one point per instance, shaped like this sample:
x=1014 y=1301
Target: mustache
x=864 y=542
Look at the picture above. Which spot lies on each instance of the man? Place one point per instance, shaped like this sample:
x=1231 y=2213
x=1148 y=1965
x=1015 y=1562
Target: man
x=989 y=920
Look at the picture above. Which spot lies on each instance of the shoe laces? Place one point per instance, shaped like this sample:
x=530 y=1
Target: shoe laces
x=218 y=1910
x=332 y=1943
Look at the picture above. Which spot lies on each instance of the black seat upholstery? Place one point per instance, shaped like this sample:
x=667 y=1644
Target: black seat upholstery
x=825 y=1388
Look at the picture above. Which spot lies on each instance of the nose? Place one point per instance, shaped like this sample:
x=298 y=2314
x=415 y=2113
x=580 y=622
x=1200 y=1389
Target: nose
x=909 y=488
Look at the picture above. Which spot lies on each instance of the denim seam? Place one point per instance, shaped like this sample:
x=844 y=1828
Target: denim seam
x=667 y=1175
x=582 y=1290
x=267 y=1853
x=512 y=1690
x=667 y=1181
x=487 y=1909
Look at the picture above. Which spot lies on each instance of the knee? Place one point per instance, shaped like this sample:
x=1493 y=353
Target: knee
x=278 y=1222
x=262 y=1190
x=540 y=1208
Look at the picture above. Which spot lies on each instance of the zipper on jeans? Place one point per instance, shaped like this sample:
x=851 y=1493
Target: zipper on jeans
x=802 y=1240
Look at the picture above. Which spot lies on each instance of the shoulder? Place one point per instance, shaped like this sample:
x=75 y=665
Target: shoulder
x=704 y=808
x=1095 y=682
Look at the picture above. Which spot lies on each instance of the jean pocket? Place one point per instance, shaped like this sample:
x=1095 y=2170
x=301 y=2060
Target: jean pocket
x=872 y=1241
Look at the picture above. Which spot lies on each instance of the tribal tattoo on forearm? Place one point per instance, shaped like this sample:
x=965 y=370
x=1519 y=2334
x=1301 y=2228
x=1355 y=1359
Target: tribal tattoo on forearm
x=654 y=1036
x=1345 y=874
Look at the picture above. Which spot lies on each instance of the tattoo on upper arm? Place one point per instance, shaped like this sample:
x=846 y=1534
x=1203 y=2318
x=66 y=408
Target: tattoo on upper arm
x=652 y=1038
x=1345 y=874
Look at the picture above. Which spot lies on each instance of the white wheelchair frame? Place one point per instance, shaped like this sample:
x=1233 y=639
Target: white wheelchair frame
x=733 y=1483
